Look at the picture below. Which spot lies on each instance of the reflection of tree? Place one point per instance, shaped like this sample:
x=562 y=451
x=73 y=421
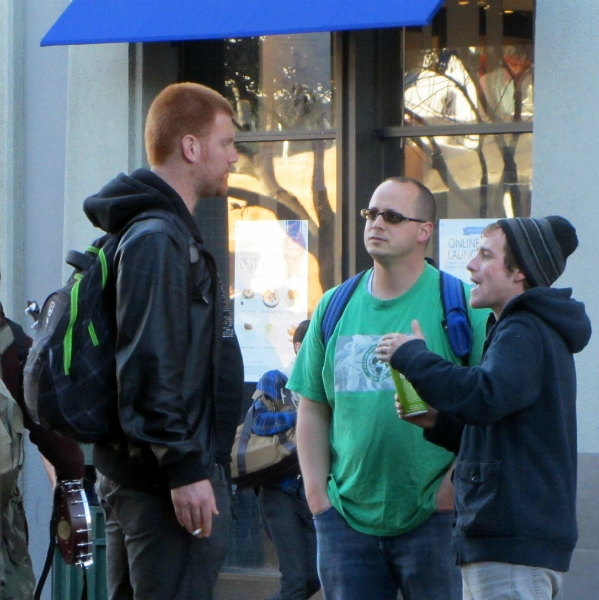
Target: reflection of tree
x=321 y=232
x=458 y=86
x=437 y=160
x=326 y=217
x=291 y=105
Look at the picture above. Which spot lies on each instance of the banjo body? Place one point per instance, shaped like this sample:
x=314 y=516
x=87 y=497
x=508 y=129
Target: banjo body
x=74 y=524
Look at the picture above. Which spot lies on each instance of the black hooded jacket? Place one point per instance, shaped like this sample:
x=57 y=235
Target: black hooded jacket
x=512 y=421
x=178 y=410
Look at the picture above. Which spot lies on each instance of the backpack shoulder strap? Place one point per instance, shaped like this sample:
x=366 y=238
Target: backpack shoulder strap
x=13 y=332
x=6 y=338
x=166 y=216
x=336 y=306
x=456 y=321
x=21 y=343
x=194 y=246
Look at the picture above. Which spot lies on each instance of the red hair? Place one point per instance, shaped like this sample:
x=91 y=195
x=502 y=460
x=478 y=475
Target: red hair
x=181 y=109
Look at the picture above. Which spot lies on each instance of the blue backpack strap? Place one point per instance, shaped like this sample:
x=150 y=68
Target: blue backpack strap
x=455 y=316
x=336 y=306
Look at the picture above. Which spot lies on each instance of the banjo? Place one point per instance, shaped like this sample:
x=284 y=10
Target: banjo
x=73 y=523
x=70 y=529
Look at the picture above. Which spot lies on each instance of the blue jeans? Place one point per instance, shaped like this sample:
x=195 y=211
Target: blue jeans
x=355 y=566
x=502 y=581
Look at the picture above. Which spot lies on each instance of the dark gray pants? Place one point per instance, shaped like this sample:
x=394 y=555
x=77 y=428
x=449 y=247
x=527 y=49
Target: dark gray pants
x=289 y=523
x=149 y=556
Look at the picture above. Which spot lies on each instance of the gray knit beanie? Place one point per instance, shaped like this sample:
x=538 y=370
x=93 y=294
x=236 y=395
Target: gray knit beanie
x=540 y=246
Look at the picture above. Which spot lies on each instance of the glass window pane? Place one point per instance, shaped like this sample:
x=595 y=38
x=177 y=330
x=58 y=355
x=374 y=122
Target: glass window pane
x=289 y=180
x=277 y=85
x=464 y=86
x=474 y=65
x=280 y=82
x=249 y=546
x=282 y=207
x=486 y=176
x=481 y=176
x=275 y=185
x=274 y=241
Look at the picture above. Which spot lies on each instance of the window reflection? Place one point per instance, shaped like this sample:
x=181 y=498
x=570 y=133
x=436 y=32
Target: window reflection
x=473 y=65
x=290 y=180
x=469 y=85
x=486 y=176
x=280 y=82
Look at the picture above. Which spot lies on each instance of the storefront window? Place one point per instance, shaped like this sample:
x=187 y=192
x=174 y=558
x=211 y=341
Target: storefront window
x=467 y=108
x=468 y=85
x=276 y=238
x=280 y=82
x=474 y=176
x=451 y=104
x=480 y=175
x=289 y=180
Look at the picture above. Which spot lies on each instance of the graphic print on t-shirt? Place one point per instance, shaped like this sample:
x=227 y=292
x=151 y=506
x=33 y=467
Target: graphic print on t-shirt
x=357 y=369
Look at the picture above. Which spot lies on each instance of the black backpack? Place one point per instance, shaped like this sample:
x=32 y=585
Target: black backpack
x=70 y=375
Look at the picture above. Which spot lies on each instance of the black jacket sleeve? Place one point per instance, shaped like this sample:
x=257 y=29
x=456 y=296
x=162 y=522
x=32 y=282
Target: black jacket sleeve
x=508 y=378
x=446 y=432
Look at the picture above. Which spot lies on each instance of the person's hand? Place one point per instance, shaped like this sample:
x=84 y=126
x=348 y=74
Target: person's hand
x=318 y=504
x=392 y=341
x=425 y=420
x=194 y=506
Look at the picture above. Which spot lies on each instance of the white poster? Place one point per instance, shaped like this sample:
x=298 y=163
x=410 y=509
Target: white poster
x=458 y=244
x=271 y=291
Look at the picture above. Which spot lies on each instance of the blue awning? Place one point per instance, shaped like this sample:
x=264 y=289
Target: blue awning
x=103 y=21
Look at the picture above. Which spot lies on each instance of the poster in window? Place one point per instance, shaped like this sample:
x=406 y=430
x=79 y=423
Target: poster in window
x=458 y=244
x=271 y=291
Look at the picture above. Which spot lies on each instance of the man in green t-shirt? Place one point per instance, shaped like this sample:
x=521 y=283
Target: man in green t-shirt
x=380 y=494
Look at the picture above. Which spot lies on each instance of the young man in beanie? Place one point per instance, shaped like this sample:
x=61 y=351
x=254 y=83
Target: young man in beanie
x=512 y=419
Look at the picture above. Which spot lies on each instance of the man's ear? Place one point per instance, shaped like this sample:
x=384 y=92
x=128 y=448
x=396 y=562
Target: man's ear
x=425 y=231
x=519 y=276
x=191 y=149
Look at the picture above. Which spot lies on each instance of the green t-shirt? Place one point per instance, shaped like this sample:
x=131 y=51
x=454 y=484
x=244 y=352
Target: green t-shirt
x=384 y=475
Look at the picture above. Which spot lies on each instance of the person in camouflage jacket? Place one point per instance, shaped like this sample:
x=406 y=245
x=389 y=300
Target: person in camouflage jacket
x=17 y=580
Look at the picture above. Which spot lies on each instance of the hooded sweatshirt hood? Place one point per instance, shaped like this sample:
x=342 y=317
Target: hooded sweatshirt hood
x=129 y=195
x=559 y=310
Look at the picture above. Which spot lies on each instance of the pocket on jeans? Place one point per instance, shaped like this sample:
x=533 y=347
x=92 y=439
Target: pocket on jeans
x=476 y=486
x=322 y=513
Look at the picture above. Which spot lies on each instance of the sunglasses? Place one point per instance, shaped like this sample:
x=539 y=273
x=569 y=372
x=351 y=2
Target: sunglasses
x=389 y=216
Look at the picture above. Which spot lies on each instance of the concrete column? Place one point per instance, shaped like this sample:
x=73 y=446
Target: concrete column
x=566 y=182
x=11 y=156
x=97 y=141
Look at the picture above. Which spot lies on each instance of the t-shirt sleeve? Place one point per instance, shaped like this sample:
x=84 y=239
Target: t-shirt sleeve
x=306 y=378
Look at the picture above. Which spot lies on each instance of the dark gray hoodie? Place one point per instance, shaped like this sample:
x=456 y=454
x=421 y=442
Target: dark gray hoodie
x=513 y=419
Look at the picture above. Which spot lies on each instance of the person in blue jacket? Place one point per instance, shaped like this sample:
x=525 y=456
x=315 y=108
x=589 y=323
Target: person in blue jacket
x=512 y=419
x=283 y=505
